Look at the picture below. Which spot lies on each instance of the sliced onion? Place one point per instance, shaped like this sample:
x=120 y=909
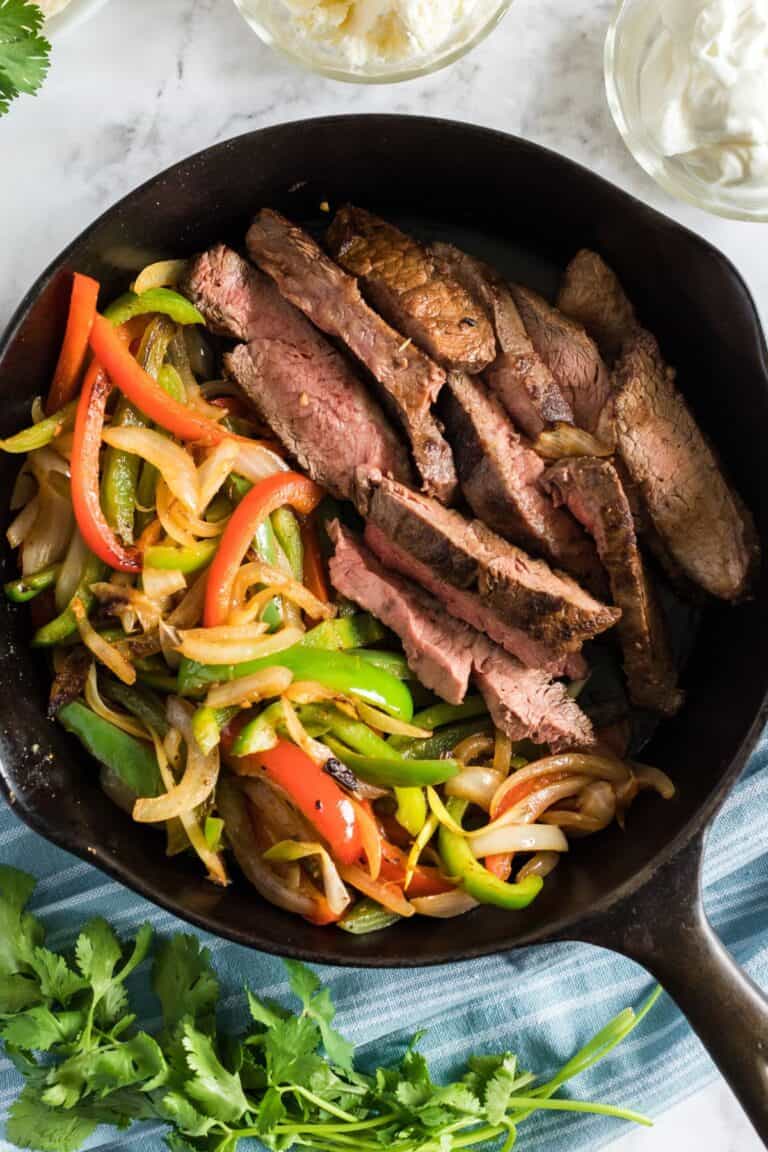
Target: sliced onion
x=49 y=536
x=70 y=571
x=97 y=704
x=255 y=461
x=536 y=802
x=253 y=607
x=649 y=777
x=195 y=786
x=161 y=274
x=257 y=572
x=173 y=463
x=21 y=526
x=215 y=469
x=309 y=692
x=445 y=905
x=473 y=748
x=299 y=735
x=583 y=763
x=519 y=838
x=541 y=864
x=431 y=825
x=38 y=410
x=567 y=440
x=576 y=822
x=502 y=752
x=107 y=653
x=169 y=644
x=24 y=488
x=250 y=689
x=188 y=612
x=383 y=723
x=200 y=644
x=162 y=583
x=476 y=784
x=597 y=801
x=386 y=893
x=166 y=508
x=116 y=592
x=289 y=851
x=212 y=860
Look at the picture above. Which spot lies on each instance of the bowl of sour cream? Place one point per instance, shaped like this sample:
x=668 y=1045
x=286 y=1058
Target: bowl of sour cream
x=373 y=41
x=687 y=84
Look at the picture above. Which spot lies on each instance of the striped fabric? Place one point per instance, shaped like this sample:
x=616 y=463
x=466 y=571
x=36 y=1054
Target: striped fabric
x=542 y=1002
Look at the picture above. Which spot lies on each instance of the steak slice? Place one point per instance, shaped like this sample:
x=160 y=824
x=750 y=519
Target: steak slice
x=402 y=281
x=437 y=647
x=701 y=522
x=523 y=593
x=592 y=490
x=310 y=280
x=518 y=375
x=569 y=353
x=524 y=702
x=499 y=476
x=301 y=386
x=591 y=294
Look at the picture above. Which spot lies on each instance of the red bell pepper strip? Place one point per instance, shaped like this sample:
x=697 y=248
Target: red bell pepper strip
x=82 y=310
x=425 y=881
x=501 y=863
x=86 y=445
x=127 y=374
x=317 y=796
x=314 y=565
x=271 y=493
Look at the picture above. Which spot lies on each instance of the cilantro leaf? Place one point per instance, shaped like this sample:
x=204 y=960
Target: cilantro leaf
x=290 y=1051
x=97 y=951
x=38 y=1030
x=499 y=1090
x=24 y=52
x=101 y=1070
x=317 y=1004
x=183 y=980
x=32 y=1124
x=270 y=1015
x=20 y=933
x=219 y=1092
x=57 y=980
x=18 y=992
x=179 y=1111
x=271 y=1111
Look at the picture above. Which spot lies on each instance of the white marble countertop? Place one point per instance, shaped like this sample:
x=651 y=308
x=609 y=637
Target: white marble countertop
x=148 y=81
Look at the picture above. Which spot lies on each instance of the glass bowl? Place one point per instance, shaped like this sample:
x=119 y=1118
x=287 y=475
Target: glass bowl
x=75 y=13
x=634 y=29
x=275 y=24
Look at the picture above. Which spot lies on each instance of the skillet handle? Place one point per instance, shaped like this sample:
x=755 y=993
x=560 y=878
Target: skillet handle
x=664 y=927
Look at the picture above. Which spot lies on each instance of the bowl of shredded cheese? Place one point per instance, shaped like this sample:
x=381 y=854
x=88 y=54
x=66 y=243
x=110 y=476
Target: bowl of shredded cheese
x=373 y=41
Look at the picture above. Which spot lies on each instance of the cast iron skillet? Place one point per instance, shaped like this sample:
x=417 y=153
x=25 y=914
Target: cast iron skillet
x=529 y=210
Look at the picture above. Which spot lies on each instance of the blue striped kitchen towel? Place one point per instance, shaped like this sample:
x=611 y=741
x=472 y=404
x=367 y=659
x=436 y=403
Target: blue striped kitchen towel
x=541 y=1002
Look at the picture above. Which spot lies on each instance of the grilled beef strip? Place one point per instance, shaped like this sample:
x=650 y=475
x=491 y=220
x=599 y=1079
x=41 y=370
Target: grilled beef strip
x=571 y=356
x=701 y=522
x=301 y=386
x=518 y=376
x=499 y=476
x=401 y=280
x=524 y=702
x=331 y=299
x=591 y=294
x=519 y=592
x=592 y=490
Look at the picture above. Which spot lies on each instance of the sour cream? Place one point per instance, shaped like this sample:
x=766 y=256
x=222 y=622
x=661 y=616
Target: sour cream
x=704 y=90
x=367 y=32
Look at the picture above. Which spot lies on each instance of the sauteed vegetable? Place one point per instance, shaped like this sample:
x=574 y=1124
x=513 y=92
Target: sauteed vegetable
x=176 y=565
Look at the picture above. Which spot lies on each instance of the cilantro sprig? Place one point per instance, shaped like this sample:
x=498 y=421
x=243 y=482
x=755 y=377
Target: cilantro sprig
x=24 y=52
x=289 y=1080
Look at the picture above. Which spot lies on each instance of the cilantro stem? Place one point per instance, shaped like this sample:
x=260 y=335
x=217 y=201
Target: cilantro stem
x=356 y=1126
x=320 y=1103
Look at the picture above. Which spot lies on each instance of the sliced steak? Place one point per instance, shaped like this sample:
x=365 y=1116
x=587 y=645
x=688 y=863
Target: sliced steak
x=310 y=280
x=701 y=522
x=438 y=648
x=592 y=490
x=499 y=476
x=518 y=375
x=402 y=280
x=524 y=702
x=569 y=353
x=301 y=386
x=591 y=294
x=522 y=593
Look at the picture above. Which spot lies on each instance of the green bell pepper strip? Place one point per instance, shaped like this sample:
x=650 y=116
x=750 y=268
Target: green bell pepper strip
x=27 y=587
x=186 y=560
x=385 y=772
x=213 y=830
x=441 y=714
x=159 y=681
x=207 y=724
x=412 y=810
x=350 y=632
x=266 y=547
x=459 y=861
x=145 y=706
x=131 y=760
x=366 y=916
x=40 y=434
x=393 y=662
x=64 y=625
x=162 y=300
x=347 y=675
x=288 y=533
x=259 y=734
x=443 y=741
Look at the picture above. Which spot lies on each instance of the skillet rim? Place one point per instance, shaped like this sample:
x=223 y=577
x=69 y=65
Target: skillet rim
x=562 y=926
